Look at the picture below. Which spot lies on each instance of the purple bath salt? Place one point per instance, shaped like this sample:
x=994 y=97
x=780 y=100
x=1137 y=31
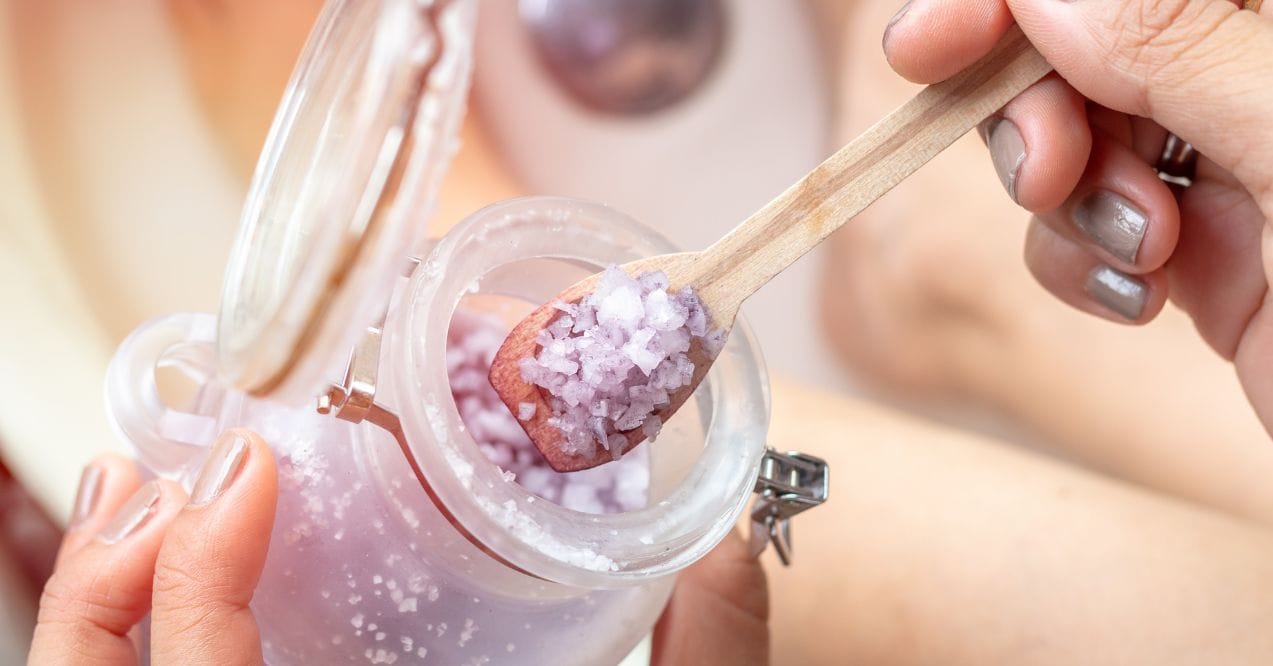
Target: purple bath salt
x=472 y=342
x=611 y=361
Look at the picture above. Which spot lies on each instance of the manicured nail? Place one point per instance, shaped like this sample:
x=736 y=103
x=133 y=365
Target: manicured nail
x=1112 y=222
x=901 y=13
x=1007 y=151
x=222 y=466
x=133 y=515
x=1118 y=291
x=86 y=497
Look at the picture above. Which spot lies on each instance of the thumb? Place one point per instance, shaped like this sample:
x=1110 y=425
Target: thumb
x=719 y=612
x=1197 y=67
x=212 y=558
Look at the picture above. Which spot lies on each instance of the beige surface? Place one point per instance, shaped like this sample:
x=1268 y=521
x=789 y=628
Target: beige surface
x=113 y=208
x=52 y=353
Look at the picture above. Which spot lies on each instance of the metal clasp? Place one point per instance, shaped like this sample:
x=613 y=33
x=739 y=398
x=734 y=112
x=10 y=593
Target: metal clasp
x=354 y=400
x=788 y=484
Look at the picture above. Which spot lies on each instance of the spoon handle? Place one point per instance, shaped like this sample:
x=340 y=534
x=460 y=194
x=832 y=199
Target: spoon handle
x=862 y=171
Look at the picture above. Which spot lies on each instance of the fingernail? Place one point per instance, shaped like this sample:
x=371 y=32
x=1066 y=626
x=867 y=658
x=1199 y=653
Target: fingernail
x=133 y=515
x=222 y=466
x=1117 y=291
x=1112 y=222
x=901 y=13
x=1007 y=151
x=86 y=496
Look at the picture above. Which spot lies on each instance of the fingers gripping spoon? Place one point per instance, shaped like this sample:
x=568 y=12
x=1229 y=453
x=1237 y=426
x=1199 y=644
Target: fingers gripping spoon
x=733 y=268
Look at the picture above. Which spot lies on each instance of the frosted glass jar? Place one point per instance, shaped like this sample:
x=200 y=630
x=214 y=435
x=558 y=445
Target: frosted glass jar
x=369 y=562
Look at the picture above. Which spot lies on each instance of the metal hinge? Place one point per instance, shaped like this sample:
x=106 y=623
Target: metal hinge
x=788 y=484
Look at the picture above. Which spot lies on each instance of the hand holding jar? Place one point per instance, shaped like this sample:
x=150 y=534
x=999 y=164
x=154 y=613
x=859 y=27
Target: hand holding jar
x=193 y=563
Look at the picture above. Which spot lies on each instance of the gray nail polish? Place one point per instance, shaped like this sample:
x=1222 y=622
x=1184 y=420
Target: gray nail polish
x=219 y=470
x=133 y=515
x=86 y=496
x=1118 y=291
x=901 y=13
x=1007 y=151
x=888 y=29
x=1112 y=222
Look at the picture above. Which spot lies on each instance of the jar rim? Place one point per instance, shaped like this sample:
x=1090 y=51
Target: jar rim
x=538 y=536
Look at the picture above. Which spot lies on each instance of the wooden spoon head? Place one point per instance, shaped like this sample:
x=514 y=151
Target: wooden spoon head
x=506 y=377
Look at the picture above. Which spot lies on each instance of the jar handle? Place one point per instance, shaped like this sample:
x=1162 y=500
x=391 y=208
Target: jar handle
x=169 y=442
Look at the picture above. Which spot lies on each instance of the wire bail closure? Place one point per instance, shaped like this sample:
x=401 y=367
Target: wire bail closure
x=789 y=483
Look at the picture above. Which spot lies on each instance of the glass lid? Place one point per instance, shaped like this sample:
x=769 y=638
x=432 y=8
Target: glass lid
x=343 y=189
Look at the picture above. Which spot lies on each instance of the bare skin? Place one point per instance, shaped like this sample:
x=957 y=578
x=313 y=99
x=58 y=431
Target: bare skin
x=938 y=546
x=194 y=563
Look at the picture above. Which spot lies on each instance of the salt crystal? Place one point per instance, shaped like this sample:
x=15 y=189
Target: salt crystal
x=568 y=308
x=466 y=634
x=662 y=314
x=503 y=442
x=526 y=411
x=640 y=340
x=622 y=306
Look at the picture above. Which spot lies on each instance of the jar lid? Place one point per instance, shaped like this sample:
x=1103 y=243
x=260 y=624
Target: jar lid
x=343 y=188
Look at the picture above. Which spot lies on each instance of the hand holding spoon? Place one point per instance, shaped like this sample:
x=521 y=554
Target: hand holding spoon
x=769 y=241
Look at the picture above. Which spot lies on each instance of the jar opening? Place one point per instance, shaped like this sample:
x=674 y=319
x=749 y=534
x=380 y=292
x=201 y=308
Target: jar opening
x=701 y=469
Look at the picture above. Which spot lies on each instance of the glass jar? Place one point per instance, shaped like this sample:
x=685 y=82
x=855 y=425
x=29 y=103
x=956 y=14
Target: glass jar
x=365 y=563
x=396 y=539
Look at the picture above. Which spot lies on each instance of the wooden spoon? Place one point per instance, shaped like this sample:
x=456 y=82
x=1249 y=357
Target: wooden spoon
x=729 y=271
